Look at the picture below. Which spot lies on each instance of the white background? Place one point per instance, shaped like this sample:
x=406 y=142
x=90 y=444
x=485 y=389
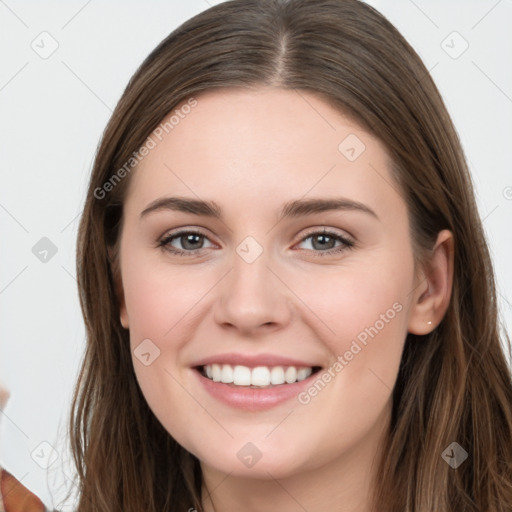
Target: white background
x=53 y=112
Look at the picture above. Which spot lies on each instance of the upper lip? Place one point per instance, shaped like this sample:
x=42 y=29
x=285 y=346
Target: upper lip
x=253 y=360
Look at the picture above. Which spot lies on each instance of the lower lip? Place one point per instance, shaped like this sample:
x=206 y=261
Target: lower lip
x=253 y=399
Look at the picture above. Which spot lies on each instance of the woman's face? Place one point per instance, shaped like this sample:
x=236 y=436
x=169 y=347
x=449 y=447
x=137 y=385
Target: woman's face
x=259 y=293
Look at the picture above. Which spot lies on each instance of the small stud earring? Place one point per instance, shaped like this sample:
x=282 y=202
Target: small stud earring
x=429 y=322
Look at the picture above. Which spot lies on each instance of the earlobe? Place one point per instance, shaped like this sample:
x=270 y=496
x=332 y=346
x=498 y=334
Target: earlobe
x=123 y=318
x=432 y=294
x=118 y=285
x=123 y=313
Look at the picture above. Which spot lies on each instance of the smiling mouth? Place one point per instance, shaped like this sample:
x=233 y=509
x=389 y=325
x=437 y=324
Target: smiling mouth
x=257 y=377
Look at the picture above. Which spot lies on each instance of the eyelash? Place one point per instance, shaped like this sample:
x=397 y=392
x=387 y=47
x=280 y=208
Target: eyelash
x=165 y=241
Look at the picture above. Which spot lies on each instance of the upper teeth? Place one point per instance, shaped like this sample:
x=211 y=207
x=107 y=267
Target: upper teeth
x=258 y=376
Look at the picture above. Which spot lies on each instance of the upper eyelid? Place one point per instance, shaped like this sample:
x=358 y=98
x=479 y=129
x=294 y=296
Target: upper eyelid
x=183 y=231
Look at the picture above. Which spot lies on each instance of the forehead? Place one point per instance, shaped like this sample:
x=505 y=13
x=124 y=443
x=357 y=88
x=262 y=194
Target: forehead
x=261 y=144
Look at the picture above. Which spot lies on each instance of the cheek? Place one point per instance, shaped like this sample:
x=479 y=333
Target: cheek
x=158 y=299
x=355 y=301
x=159 y=296
x=162 y=302
x=363 y=310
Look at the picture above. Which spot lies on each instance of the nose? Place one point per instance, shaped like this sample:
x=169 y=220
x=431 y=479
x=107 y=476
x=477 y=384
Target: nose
x=252 y=298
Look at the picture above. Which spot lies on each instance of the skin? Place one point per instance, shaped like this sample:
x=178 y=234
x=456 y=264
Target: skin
x=251 y=152
x=4 y=396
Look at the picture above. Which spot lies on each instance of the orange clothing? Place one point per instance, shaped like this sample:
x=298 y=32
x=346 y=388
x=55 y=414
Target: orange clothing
x=15 y=497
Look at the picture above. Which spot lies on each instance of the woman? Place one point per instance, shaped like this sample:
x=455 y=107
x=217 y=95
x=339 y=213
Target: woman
x=252 y=374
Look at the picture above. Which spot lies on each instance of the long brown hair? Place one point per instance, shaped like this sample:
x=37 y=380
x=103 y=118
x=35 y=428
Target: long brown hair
x=453 y=384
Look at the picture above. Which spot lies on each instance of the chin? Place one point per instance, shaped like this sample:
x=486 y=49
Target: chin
x=261 y=460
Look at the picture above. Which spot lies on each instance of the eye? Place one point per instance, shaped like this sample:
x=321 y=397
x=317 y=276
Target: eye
x=190 y=241
x=325 y=242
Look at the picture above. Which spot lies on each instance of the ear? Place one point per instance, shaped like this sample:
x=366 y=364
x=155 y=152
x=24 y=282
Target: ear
x=118 y=284
x=431 y=296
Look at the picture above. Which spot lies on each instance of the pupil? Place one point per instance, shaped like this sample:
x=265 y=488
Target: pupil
x=190 y=239
x=324 y=237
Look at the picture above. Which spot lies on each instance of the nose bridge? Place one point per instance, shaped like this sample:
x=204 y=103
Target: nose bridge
x=251 y=295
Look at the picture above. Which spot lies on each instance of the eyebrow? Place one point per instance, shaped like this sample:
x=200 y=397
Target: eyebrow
x=292 y=209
